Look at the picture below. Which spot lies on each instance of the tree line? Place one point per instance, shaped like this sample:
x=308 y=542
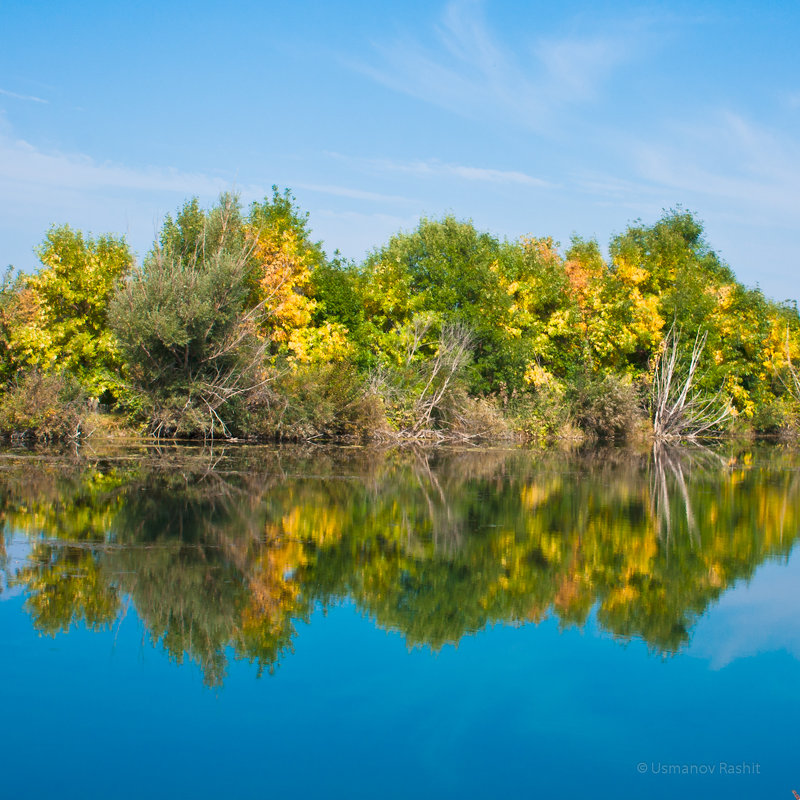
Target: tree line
x=237 y=324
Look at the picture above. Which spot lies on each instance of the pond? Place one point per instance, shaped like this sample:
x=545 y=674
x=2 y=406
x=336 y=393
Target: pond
x=250 y=621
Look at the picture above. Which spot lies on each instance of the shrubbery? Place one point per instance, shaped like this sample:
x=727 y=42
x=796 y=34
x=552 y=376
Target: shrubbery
x=607 y=408
x=44 y=406
x=319 y=401
x=236 y=324
x=189 y=340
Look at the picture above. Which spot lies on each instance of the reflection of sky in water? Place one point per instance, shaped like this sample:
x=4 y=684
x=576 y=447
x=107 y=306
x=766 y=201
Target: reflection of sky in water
x=752 y=618
x=354 y=712
x=18 y=550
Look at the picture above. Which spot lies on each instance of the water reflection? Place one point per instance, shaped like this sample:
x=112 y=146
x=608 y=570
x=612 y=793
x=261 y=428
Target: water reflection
x=223 y=552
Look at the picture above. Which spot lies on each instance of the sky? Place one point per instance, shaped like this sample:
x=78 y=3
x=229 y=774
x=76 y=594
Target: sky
x=544 y=119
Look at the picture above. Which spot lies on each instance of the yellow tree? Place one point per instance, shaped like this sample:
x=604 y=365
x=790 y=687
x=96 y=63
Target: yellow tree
x=284 y=258
x=69 y=297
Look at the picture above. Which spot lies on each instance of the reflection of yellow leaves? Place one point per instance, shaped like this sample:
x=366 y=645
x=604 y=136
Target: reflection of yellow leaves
x=533 y=494
x=550 y=544
x=274 y=588
x=70 y=590
x=319 y=524
x=621 y=596
x=716 y=576
x=643 y=551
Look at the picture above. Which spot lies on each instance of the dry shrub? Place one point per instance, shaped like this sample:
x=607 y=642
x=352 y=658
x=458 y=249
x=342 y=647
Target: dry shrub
x=541 y=416
x=467 y=417
x=607 y=408
x=44 y=406
x=317 y=401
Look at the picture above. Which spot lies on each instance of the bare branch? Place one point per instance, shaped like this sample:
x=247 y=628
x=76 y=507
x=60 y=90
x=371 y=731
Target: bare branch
x=679 y=410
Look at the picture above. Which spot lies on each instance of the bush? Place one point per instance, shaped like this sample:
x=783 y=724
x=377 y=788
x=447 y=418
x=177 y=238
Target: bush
x=316 y=401
x=44 y=406
x=606 y=408
x=467 y=417
x=417 y=391
x=190 y=343
x=541 y=415
x=771 y=418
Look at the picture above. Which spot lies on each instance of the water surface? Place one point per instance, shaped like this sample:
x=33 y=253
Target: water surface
x=254 y=621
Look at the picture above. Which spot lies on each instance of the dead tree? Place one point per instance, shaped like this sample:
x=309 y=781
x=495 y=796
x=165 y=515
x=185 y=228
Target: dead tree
x=792 y=379
x=680 y=411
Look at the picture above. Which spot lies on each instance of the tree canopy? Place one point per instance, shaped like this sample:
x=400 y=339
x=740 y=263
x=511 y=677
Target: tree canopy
x=238 y=323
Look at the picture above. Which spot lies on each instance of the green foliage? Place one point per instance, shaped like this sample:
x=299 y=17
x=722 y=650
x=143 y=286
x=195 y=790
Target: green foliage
x=544 y=321
x=446 y=270
x=183 y=324
x=335 y=287
x=230 y=317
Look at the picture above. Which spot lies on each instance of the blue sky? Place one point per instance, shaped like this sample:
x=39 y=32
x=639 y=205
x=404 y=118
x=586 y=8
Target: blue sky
x=528 y=118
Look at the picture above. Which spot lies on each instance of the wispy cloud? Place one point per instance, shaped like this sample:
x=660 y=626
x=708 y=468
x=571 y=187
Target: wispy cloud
x=23 y=164
x=488 y=175
x=745 y=171
x=29 y=97
x=728 y=158
x=437 y=169
x=354 y=194
x=39 y=188
x=575 y=68
x=470 y=72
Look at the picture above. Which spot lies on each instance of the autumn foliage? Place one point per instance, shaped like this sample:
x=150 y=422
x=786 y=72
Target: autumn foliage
x=238 y=324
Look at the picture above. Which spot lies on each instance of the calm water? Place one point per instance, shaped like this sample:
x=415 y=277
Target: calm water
x=253 y=622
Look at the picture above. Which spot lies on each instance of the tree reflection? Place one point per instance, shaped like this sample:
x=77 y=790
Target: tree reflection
x=222 y=553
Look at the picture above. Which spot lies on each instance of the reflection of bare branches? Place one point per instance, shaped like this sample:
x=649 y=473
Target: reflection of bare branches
x=671 y=461
x=659 y=494
x=446 y=528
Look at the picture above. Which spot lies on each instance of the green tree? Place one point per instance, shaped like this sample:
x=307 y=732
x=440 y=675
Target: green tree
x=667 y=275
x=445 y=270
x=187 y=334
